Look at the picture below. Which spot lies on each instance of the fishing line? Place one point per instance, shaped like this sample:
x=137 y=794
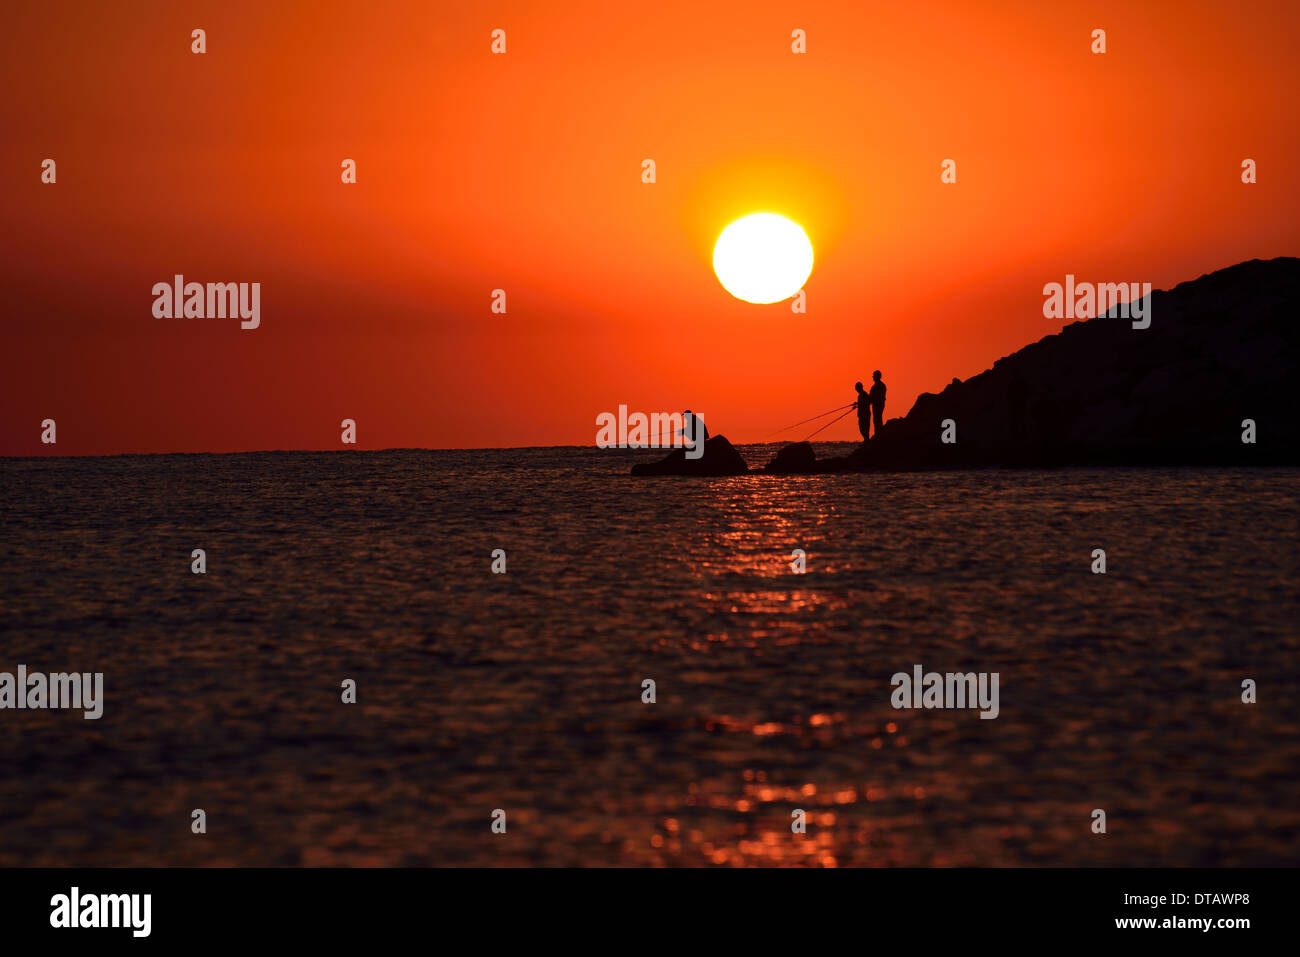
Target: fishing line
x=833 y=421
x=815 y=418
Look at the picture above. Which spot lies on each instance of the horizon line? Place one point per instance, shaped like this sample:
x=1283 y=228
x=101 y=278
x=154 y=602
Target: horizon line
x=395 y=448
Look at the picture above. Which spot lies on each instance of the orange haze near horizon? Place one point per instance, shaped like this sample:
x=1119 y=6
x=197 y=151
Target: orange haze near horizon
x=522 y=172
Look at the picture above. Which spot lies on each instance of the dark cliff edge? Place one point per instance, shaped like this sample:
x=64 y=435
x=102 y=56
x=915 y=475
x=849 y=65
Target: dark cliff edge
x=1220 y=349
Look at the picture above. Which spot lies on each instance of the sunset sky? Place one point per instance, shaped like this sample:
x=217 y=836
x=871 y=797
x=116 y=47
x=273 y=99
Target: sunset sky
x=523 y=172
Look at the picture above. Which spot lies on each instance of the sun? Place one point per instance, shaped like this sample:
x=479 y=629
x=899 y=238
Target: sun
x=763 y=258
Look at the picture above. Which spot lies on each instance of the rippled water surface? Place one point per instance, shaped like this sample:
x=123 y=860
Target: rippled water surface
x=523 y=691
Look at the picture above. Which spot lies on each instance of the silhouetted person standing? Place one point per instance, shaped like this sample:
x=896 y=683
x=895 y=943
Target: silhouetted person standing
x=864 y=410
x=877 y=395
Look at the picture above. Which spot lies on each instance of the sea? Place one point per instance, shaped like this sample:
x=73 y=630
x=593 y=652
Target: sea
x=529 y=657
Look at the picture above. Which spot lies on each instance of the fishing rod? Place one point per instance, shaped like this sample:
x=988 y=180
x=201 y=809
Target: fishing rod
x=814 y=418
x=834 y=420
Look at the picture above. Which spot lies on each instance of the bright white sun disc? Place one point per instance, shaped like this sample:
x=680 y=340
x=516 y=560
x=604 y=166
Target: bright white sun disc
x=763 y=258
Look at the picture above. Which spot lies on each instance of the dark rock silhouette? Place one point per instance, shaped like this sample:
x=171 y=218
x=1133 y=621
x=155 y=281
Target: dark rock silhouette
x=793 y=458
x=719 y=458
x=1220 y=349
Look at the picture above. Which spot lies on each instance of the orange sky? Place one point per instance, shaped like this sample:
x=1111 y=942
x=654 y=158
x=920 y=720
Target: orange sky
x=522 y=172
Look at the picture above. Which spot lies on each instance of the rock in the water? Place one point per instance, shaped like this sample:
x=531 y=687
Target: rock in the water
x=719 y=458
x=793 y=459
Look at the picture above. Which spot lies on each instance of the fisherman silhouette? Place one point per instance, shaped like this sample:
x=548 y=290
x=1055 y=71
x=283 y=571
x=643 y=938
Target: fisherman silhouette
x=877 y=394
x=693 y=429
x=864 y=410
